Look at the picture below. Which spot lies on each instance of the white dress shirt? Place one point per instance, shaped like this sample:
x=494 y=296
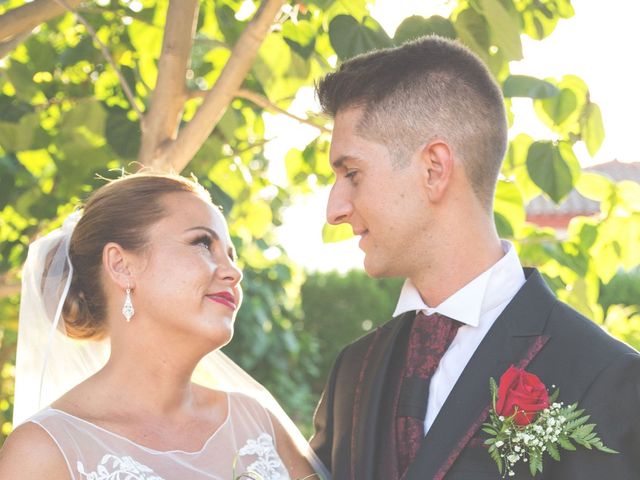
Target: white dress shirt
x=476 y=305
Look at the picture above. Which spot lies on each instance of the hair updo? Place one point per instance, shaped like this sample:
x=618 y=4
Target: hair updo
x=121 y=211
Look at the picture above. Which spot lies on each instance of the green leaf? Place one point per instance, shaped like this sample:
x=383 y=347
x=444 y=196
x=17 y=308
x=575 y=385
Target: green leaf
x=582 y=431
x=505 y=28
x=549 y=170
x=416 y=26
x=87 y=114
x=537 y=24
x=230 y=27
x=297 y=168
x=21 y=77
x=600 y=446
x=83 y=50
x=15 y=137
x=592 y=128
x=356 y=8
x=535 y=463
x=559 y=107
x=336 y=233
x=566 y=443
x=473 y=30
x=11 y=109
x=562 y=113
x=509 y=205
x=553 y=451
x=525 y=86
x=257 y=218
x=493 y=387
x=43 y=55
x=503 y=226
x=147 y=40
x=38 y=162
x=495 y=454
x=301 y=37
x=122 y=134
x=350 y=38
x=594 y=186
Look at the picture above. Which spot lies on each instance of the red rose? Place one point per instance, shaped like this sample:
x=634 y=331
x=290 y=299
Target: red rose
x=521 y=392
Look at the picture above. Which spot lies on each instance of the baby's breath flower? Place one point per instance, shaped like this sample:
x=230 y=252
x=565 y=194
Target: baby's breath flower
x=513 y=443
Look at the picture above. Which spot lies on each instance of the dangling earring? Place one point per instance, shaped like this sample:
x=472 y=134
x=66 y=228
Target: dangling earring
x=127 y=308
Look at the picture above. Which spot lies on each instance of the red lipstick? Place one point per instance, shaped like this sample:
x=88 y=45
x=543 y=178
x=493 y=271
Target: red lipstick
x=225 y=298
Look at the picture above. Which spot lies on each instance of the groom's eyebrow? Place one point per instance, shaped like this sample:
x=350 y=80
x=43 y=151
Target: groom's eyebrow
x=339 y=162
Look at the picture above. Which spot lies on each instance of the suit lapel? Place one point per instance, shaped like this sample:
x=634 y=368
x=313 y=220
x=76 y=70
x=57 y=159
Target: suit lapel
x=515 y=335
x=368 y=397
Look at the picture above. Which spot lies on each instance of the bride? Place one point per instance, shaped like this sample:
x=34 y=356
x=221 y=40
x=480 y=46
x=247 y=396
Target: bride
x=126 y=305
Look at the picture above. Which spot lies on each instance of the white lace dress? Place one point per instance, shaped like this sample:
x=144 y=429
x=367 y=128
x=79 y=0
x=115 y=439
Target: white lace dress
x=246 y=437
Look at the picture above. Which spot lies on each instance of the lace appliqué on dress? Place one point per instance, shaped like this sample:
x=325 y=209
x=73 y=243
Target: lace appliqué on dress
x=118 y=468
x=268 y=465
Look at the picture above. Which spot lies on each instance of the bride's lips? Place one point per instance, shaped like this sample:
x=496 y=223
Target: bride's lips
x=225 y=298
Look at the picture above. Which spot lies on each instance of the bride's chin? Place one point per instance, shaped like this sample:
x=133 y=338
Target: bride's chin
x=227 y=339
x=220 y=336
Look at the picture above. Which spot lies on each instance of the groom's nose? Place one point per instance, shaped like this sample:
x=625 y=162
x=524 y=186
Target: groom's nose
x=339 y=206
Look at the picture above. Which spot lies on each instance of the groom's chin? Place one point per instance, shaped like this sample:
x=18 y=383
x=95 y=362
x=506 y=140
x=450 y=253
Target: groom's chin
x=374 y=269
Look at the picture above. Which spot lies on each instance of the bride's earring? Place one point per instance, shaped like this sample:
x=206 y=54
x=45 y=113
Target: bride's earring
x=127 y=308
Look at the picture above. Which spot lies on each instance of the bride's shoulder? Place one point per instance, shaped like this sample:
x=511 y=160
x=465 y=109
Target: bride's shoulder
x=235 y=404
x=212 y=397
x=29 y=452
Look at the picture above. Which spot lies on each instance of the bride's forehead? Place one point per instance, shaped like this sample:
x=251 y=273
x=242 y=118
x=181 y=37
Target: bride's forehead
x=190 y=211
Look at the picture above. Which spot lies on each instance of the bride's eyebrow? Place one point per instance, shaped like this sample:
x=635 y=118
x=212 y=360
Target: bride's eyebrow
x=211 y=232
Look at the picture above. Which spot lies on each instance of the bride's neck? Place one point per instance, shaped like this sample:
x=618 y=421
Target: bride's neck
x=151 y=380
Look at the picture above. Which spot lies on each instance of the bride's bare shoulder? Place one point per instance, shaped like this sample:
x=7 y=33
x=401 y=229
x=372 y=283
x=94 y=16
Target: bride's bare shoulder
x=30 y=453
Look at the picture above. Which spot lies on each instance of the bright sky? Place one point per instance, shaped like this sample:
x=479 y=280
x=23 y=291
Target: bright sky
x=598 y=44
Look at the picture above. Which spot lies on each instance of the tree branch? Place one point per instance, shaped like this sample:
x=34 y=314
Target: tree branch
x=264 y=102
x=167 y=102
x=267 y=104
x=66 y=4
x=27 y=17
x=8 y=46
x=179 y=152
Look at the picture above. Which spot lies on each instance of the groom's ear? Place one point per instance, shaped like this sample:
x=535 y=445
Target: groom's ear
x=436 y=167
x=117 y=264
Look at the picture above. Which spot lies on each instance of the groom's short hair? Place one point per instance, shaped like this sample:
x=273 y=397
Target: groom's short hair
x=429 y=88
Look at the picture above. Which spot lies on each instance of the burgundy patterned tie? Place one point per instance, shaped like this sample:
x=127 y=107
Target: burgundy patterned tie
x=429 y=339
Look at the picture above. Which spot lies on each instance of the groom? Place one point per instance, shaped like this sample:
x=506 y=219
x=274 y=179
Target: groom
x=419 y=136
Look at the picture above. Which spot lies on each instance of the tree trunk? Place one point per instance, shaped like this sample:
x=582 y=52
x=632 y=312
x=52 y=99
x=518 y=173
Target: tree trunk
x=162 y=120
x=176 y=154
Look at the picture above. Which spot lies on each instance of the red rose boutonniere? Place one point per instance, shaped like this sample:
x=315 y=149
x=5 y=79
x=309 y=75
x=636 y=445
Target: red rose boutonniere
x=525 y=422
x=521 y=395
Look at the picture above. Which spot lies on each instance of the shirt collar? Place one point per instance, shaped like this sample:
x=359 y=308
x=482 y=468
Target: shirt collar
x=485 y=292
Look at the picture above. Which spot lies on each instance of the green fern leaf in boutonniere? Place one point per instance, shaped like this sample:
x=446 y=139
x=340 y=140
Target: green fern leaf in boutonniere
x=525 y=423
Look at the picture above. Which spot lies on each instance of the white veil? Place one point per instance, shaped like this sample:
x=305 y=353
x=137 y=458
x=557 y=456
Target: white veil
x=49 y=363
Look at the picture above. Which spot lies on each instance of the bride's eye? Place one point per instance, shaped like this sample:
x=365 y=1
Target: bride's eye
x=202 y=241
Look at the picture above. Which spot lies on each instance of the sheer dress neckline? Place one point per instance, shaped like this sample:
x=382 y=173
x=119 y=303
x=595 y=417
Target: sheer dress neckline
x=150 y=450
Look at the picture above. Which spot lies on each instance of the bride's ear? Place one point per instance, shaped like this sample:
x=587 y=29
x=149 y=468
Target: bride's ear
x=117 y=264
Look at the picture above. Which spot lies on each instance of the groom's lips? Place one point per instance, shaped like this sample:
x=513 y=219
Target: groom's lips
x=362 y=234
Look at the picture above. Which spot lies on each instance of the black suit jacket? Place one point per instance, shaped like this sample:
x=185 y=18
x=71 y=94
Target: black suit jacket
x=535 y=331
